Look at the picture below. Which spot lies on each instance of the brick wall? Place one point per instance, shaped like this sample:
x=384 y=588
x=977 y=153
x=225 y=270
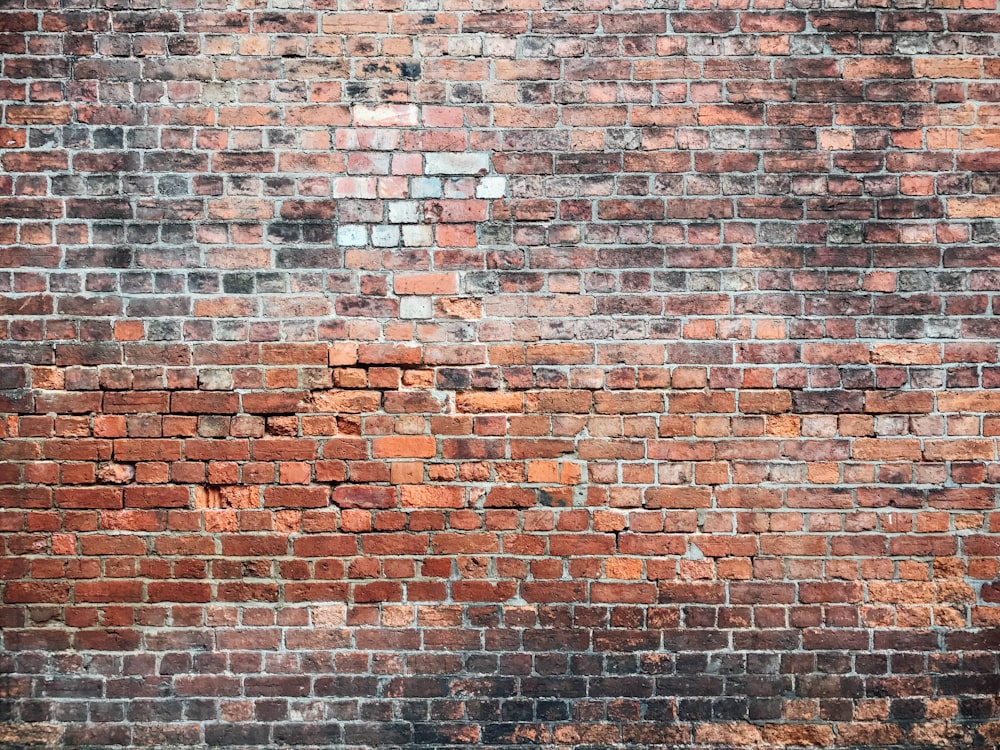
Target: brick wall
x=543 y=372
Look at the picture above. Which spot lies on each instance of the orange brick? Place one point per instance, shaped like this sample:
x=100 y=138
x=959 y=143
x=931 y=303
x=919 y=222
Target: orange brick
x=883 y=449
x=432 y=496
x=959 y=450
x=415 y=446
x=426 y=283
x=899 y=402
x=968 y=401
x=485 y=403
x=906 y=354
x=947 y=67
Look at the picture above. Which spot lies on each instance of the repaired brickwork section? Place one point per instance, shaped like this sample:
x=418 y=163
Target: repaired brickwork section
x=425 y=373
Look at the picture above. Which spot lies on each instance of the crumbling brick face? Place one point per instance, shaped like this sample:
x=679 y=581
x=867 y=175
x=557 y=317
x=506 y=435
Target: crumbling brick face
x=549 y=372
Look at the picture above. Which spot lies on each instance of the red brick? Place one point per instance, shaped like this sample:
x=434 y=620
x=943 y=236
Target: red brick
x=147 y=450
x=49 y=592
x=560 y=354
x=628 y=402
x=108 y=591
x=204 y=402
x=279 y=402
x=179 y=591
x=296 y=497
x=88 y=497
x=136 y=402
x=349 y=496
x=356 y=402
x=216 y=450
x=284 y=449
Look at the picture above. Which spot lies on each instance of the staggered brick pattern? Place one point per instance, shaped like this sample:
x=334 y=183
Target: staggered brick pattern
x=544 y=372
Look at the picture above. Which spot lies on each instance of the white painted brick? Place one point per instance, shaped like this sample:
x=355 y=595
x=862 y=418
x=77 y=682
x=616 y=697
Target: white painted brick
x=465 y=46
x=474 y=162
x=385 y=115
x=367 y=140
x=418 y=235
x=496 y=46
x=425 y=187
x=385 y=236
x=416 y=307
x=352 y=235
x=492 y=187
x=215 y=380
x=403 y=212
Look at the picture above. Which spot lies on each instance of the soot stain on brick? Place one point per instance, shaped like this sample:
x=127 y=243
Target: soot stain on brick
x=362 y=91
x=547 y=499
x=409 y=70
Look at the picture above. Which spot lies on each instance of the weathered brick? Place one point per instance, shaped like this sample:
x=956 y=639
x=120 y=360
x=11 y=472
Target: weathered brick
x=385 y=115
x=499 y=377
x=456 y=164
x=364 y=497
x=430 y=496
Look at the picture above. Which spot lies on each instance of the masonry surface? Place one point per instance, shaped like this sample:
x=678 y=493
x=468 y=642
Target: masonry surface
x=488 y=373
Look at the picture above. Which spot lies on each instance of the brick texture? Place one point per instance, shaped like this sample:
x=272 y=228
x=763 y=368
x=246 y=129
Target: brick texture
x=564 y=373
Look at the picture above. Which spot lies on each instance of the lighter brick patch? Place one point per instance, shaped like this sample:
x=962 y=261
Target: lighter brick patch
x=404 y=212
x=470 y=163
x=426 y=187
x=417 y=235
x=385 y=115
x=354 y=187
x=385 y=236
x=47 y=735
x=412 y=308
x=351 y=236
x=492 y=187
x=974 y=208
